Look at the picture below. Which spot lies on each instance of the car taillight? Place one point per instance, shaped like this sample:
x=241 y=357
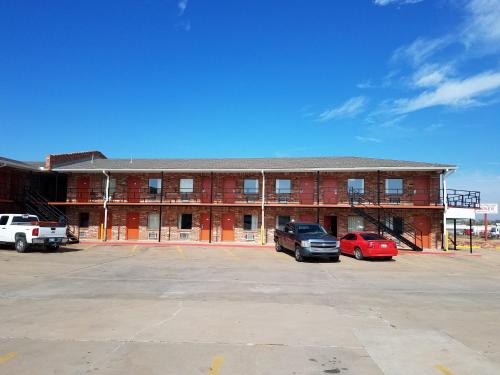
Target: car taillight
x=371 y=244
x=34 y=232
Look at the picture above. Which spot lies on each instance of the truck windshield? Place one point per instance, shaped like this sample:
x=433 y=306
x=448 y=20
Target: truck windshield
x=310 y=228
x=23 y=219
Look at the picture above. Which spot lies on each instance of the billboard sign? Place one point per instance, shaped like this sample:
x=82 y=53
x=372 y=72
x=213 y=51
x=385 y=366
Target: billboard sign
x=488 y=208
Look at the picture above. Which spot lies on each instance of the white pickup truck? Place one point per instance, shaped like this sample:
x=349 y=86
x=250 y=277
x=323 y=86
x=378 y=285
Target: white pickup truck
x=25 y=230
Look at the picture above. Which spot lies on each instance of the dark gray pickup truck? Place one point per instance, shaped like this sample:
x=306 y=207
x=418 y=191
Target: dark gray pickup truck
x=307 y=240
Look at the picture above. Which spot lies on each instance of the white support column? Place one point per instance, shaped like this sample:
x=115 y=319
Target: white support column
x=263 y=210
x=106 y=198
x=446 y=173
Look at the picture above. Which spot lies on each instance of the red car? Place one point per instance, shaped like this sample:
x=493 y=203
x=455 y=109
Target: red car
x=367 y=245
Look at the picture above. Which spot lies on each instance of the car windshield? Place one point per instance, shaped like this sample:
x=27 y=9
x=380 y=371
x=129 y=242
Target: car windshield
x=310 y=228
x=372 y=236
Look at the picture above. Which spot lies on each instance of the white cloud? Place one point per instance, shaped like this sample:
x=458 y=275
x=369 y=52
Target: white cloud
x=365 y=85
x=420 y=50
x=458 y=93
x=398 y=2
x=431 y=75
x=350 y=108
x=483 y=24
x=433 y=127
x=367 y=139
x=182 y=6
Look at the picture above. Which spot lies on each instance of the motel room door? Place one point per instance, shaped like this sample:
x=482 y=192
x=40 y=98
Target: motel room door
x=307 y=190
x=330 y=224
x=330 y=194
x=133 y=189
x=422 y=187
x=423 y=224
x=228 y=226
x=206 y=189
x=109 y=228
x=204 y=226
x=83 y=189
x=229 y=190
x=132 y=225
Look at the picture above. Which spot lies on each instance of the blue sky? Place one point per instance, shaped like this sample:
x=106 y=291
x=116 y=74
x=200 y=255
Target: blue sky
x=401 y=79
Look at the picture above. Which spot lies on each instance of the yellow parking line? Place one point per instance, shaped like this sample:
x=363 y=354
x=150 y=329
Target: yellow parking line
x=181 y=252
x=443 y=369
x=7 y=357
x=231 y=254
x=216 y=365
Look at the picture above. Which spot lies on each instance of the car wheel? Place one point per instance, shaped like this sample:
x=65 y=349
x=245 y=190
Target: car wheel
x=358 y=254
x=335 y=259
x=21 y=245
x=278 y=247
x=388 y=258
x=298 y=255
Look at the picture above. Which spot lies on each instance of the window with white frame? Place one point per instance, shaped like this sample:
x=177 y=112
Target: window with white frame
x=154 y=221
x=185 y=221
x=251 y=186
x=186 y=185
x=356 y=185
x=154 y=186
x=281 y=221
x=394 y=186
x=250 y=222
x=283 y=186
x=355 y=224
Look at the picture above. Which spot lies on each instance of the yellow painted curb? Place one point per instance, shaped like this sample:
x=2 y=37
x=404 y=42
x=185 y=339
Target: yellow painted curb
x=7 y=357
x=215 y=366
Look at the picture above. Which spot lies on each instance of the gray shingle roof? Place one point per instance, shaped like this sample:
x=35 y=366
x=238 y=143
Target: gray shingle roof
x=20 y=164
x=249 y=164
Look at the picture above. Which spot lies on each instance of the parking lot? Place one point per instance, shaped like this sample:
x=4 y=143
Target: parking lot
x=228 y=310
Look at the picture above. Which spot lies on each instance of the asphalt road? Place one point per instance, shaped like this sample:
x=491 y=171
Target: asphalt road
x=218 y=311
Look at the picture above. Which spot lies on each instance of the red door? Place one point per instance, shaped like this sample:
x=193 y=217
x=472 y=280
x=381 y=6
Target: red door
x=83 y=189
x=109 y=227
x=229 y=190
x=134 y=189
x=228 y=226
x=421 y=195
x=308 y=218
x=132 y=225
x=204 y=226
x=206 y=189
x=307 y=190
x=423 y=224
x=330 y=193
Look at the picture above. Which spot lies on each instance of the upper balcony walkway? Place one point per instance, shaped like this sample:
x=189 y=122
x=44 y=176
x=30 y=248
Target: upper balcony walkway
x=326 y=197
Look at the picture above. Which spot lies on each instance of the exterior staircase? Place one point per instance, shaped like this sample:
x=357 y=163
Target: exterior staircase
x=36 y=204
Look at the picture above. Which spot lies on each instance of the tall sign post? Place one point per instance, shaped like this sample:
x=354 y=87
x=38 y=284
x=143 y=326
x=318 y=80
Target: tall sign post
x=486 y=209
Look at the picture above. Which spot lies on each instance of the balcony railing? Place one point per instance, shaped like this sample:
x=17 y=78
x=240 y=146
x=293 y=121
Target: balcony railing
x=327 y=196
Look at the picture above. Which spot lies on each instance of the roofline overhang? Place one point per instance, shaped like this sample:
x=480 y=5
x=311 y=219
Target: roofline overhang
x=258 y=170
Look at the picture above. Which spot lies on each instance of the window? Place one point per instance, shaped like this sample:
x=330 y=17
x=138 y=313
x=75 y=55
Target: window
x=154 y=186
x=394 y=186
x=153 y=221
x=3 y=220
x=372 y=237
x=250 y=222
x=83 y=220
x=185 y=221
x=356 y=185
x=283 y=186
x=355 y=224
x=23 y=219
x=186 y=185
x=112 y=186
x=281 y=221
x=350 y=237
x=250 y=186
x=395 y=223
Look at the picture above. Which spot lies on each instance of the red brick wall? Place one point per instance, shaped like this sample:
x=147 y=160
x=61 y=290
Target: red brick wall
x=54 y=159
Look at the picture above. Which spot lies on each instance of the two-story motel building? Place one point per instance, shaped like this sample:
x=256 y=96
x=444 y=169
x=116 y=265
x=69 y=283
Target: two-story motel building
x=244 y=199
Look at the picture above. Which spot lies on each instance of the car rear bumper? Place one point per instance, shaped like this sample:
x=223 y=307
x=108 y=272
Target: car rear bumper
x=49 y=241
x=372 y=253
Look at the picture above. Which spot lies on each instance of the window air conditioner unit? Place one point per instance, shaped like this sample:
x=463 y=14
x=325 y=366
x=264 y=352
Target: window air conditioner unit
x=250 y=236
x=184 y=235
x=153 y=235
x=83 y=234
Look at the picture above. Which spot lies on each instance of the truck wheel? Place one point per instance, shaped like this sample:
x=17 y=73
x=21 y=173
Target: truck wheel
x=21 y=245
x=278 y=247
x=52 y=247
x=358 y=254
x=298 y=255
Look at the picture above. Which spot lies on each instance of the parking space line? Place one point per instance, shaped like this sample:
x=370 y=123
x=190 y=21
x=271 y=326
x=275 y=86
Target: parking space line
x=231 y=253
x=216 y=365
x=181 y=252
x=443 y=369
x=7 y=357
